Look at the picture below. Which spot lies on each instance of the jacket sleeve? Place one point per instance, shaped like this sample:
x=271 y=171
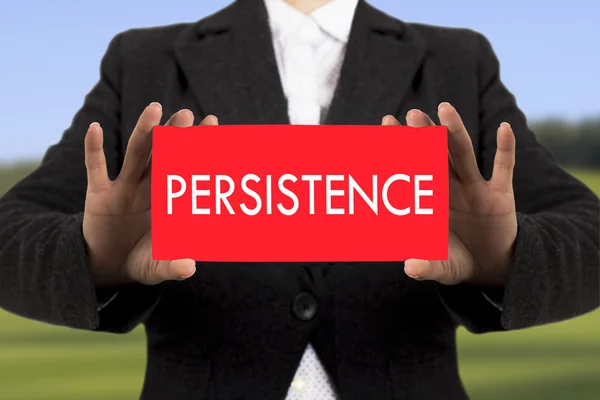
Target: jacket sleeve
x=45 y=273
x=554 y=274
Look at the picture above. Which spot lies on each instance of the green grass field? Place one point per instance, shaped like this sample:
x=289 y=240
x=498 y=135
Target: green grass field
x=553 y=362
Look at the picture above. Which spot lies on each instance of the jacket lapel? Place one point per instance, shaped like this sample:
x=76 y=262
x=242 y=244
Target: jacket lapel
x=382 y=59
x=229 y=63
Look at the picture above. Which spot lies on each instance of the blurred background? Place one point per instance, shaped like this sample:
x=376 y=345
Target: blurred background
x=550 y=60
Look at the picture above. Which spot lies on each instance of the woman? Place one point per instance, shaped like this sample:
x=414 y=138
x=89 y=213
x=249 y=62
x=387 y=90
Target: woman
x=75 y=246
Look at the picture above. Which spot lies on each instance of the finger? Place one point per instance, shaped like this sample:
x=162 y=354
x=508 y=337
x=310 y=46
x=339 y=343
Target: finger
x=95 y=159
x=418 y=119
x=504 y=161
x=210 y=120
x=140 y=145
x=389 y=120
x=460 y=146
x=181 y=119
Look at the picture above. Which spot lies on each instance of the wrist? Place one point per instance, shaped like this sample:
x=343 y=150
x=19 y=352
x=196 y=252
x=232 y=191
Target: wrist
x=106 y=276
x=104 y=279
x=493 y=274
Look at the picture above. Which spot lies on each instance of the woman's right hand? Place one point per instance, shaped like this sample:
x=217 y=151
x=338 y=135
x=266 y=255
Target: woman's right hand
x=116 y=220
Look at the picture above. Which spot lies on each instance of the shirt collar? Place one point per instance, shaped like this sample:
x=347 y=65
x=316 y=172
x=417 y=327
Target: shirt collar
x=335 y=18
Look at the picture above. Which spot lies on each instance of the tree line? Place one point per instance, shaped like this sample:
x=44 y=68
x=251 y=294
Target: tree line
x=573 y=144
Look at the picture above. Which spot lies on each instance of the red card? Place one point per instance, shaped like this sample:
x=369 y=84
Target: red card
x=290 y=193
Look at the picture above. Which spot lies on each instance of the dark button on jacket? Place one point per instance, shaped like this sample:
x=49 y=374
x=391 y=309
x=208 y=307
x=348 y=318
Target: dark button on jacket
x=305 y=306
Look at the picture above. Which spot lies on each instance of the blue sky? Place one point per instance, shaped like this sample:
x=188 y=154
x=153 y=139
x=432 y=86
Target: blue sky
x=549 y=53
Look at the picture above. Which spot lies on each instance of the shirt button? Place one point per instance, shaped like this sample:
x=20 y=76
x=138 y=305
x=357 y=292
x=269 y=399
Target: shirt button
x=305 y=306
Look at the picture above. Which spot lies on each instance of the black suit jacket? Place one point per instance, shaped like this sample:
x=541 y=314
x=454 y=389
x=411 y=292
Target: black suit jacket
x=236 y=330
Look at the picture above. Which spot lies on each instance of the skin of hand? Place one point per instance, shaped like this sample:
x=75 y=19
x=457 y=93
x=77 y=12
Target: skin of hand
x=483 y=223
x=116 y=219
x=483 y=218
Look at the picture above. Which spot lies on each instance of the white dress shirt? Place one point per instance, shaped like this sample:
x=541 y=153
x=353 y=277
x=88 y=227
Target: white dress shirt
x=309 y=50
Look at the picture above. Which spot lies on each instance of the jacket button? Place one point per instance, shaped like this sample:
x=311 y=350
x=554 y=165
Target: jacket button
x=305 y=306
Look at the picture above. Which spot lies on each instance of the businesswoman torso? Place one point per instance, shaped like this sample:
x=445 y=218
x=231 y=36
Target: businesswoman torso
x=240 y=330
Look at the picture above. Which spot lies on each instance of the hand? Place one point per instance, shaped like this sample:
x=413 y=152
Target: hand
x=116 y=220
x=483 y=219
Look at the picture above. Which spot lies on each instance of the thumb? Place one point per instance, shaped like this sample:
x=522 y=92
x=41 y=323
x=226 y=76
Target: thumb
x=424 y=270
x=176 y=270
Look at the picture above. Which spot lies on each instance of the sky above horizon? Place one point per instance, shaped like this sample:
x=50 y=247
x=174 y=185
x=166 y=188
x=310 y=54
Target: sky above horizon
x=549 y=54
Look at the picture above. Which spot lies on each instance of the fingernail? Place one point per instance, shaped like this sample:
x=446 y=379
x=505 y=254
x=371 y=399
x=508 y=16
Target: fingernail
x=154 y=103
x=94 y=124
x=414 y=110
x=505 y=124
x=407 y=270
x=183 y=277
x=443 y=103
